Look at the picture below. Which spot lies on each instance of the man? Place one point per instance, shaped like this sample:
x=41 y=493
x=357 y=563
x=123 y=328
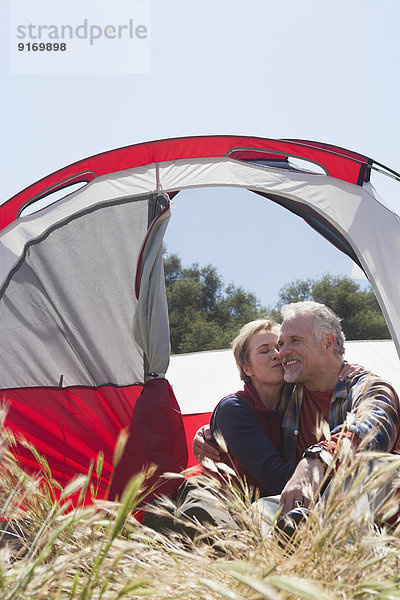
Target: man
x=311 y=351
x=311 y=346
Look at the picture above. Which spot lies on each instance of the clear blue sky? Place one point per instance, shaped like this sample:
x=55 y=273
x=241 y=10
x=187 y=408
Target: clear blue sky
x=300 y=68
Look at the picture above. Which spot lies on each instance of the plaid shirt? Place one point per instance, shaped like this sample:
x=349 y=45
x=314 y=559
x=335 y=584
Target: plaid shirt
x=365 y=405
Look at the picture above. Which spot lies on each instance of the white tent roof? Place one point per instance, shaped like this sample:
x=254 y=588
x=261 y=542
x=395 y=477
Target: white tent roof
x=201 y=379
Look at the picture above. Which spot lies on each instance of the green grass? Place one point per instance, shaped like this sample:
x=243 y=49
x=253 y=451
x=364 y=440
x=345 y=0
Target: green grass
x=102 y=552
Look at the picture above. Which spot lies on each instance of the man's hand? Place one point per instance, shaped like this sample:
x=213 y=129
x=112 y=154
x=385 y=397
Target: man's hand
x=202 y=448
x=303 y=484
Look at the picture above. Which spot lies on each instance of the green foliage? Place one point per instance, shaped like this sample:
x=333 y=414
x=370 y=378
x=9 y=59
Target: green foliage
x=297 y=291
x=206 y=315
x=358 y=309
x=203 y=313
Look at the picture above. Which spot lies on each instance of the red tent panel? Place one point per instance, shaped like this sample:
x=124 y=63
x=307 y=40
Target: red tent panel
x=70 y=426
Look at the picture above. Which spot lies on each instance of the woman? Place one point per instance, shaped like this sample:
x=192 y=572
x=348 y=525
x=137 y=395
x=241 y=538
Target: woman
x=249 y=419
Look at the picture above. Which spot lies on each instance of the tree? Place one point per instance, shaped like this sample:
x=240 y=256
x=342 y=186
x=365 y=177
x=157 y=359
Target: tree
x=203 y=313
x=358 y=309
x=298 y=291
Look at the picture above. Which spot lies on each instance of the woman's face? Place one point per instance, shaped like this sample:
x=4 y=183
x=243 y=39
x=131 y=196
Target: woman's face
x=264 y=366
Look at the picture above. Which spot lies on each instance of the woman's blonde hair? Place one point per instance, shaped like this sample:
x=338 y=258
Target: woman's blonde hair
x=240 y=344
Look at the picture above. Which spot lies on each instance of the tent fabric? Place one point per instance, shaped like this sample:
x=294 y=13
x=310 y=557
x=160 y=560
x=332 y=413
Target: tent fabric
x=337 y=162
x=191 y=423
x=151 y=326
x=70 y=427
x=67 y=307
x=157 y=437
x=82 y=295
x=157 y=434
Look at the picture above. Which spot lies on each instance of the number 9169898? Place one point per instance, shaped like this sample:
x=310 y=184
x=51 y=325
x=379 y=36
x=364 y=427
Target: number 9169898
x=42 y=47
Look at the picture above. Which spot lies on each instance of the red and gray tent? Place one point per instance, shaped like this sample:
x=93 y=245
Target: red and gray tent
x=83 y=314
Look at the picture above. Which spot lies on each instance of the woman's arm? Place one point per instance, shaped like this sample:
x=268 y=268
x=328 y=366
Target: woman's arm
x=249 y=444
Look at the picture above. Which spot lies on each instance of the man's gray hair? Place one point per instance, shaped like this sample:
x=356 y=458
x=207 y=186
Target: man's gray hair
x=324 y=321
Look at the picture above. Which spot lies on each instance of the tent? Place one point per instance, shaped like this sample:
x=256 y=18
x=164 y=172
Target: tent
x=83 y=314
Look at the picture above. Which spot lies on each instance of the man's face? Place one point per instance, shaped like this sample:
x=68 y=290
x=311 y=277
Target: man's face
x=302 y=357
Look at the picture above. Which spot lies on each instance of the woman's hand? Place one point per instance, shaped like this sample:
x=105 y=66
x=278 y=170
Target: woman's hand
x=349 y=371
x=202 y=448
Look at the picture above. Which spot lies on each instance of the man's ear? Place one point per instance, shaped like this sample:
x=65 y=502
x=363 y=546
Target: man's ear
x=330 y=341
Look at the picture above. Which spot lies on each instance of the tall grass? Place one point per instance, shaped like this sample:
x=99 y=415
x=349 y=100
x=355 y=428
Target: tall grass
x=102 y=551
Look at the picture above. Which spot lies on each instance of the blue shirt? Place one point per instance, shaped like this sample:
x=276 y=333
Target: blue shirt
x=248 y=443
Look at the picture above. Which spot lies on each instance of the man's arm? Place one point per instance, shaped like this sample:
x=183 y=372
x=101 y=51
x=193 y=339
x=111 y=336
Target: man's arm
x=203 y=446
x=373 y=415
x=303 y=484
x=373 y=423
